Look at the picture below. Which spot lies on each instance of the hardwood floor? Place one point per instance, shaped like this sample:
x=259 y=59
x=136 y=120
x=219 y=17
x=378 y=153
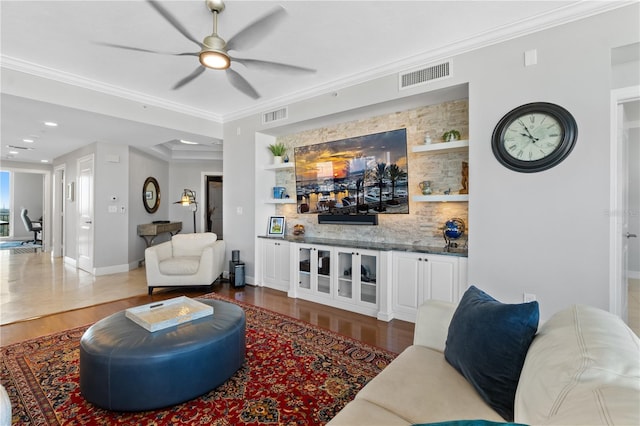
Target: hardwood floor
x=394 y=336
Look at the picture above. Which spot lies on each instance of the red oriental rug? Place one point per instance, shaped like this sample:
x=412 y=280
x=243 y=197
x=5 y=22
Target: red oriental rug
x=294 y=374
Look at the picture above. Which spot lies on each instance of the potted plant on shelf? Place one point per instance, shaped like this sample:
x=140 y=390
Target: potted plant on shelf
x=278 y=150
x=451 y=135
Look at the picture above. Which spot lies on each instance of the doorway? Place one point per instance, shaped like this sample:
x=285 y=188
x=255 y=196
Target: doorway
x=213 y=201
x=625 y=194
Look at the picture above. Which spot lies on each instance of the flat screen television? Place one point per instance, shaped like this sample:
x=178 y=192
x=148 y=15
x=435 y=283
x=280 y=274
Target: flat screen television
x=363 y=175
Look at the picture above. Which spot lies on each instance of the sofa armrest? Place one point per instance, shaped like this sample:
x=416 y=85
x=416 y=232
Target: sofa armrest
x=432 y=324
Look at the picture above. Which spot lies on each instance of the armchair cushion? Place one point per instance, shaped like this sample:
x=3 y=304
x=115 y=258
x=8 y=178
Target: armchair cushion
x=183 y=265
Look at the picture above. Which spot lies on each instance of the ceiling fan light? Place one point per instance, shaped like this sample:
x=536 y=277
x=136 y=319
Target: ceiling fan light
x=215 y=59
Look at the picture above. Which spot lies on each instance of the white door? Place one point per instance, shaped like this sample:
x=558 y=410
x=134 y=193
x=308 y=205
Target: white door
x=84 y=200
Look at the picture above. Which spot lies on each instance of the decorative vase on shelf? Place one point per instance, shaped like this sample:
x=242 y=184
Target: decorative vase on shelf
x=425 y=187
x=427 y=139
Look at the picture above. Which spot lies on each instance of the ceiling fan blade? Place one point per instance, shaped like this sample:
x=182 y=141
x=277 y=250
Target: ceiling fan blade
x=240 y=83
x=173 y=21
x=188 y=78
x=139 y=49
x=256 y=30
x=273 y=66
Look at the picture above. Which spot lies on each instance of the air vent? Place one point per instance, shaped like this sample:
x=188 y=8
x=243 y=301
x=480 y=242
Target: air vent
x=19 y=147
x=425 y=75
x=276 y=115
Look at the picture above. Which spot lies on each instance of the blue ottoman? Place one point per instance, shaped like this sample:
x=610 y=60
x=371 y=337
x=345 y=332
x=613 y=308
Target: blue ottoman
x=124 y=367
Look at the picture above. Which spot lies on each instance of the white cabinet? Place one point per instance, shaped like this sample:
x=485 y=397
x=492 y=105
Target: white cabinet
x=382 y=283
x=313 y=272
x=357 y=276
x=342 y=277
x=276 y=264
x=418 y=277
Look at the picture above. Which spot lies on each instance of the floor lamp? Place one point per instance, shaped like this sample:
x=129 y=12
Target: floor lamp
x=188 y=199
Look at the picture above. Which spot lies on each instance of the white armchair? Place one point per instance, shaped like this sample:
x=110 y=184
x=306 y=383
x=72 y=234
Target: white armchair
x=185 y=260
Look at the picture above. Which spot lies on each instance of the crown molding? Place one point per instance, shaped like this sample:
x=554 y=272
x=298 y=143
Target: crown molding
x=15 y=64
x=560 y=16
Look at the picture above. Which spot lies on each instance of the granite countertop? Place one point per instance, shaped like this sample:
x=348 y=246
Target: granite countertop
x=459 y=252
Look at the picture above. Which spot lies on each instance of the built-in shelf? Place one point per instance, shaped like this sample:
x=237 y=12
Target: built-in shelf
x=280 y=166
x=281 y=201
x=443 y=146
x=441 y=198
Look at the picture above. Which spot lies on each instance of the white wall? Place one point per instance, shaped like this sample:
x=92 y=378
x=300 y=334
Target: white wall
x=142 y=166
x=544 y=233
x=189 y=175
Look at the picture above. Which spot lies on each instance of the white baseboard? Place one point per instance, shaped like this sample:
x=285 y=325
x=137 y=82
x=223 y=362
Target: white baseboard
x=115 y=269
x=70 y=261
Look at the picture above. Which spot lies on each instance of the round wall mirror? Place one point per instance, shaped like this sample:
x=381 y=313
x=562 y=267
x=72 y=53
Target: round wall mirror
x=151 y=195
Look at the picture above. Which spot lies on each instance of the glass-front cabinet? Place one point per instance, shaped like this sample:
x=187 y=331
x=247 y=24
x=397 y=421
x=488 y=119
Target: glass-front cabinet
x=314 y=269
x=357 y=272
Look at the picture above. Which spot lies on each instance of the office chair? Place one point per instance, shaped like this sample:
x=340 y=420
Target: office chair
x=34 y=227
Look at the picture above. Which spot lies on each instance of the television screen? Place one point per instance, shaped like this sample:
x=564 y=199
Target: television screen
x=364 y=174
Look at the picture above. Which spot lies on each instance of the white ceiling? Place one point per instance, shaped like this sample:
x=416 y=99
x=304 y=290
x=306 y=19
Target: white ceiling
x=345 y=41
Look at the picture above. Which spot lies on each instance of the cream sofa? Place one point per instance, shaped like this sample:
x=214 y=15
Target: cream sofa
x=185 y=260
x=582 y=368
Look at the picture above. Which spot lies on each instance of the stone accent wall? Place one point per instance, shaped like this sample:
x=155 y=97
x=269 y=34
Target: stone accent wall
x=423 y=225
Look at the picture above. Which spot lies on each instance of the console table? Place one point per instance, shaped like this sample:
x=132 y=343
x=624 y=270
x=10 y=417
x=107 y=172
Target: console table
x=149 y=231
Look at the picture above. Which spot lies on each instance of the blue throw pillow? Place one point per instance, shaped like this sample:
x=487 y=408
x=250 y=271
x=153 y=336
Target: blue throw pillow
x=487 y=344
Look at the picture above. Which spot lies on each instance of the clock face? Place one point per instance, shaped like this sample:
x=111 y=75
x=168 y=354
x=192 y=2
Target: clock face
x=534 y=137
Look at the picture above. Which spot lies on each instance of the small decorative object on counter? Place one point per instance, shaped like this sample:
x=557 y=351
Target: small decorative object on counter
x=298 y=229
x=427 y=139
x=453 y=229
x=451 y=135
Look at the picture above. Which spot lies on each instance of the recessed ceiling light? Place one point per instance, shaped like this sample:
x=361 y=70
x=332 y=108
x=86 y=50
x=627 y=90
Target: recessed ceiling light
x=27 y=140
x=13 y=152
x=44 y=161
x=188 y=142
x=51 y=124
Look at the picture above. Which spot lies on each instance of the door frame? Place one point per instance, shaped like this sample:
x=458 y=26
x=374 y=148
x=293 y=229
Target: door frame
x=203 y=191
x=58 y=211
x=617 y=300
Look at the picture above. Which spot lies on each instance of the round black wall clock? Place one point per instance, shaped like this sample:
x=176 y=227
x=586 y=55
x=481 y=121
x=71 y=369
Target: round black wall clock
x=534 y=137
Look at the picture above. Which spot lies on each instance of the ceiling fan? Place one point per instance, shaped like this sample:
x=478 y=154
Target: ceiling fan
x=214 y=50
